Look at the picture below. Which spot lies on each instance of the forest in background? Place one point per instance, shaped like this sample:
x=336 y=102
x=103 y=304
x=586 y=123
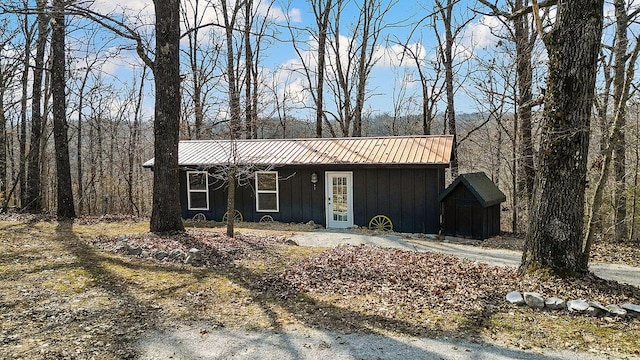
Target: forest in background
x=110 y=132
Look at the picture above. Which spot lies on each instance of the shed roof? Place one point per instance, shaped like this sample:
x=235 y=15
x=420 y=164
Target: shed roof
x=398 y=150
x=485 y=191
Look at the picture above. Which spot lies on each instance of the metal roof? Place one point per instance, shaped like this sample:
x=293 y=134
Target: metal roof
x=484 y=190
x=398 y=150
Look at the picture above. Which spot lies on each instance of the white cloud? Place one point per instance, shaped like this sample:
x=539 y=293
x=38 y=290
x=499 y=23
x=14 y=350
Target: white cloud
x=395 y=55
x=296 y=15
x=481 y=34
x=130 y=6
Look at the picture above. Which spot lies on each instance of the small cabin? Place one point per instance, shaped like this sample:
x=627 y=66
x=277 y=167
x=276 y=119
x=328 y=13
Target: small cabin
x=471 y=207
x=383 y=182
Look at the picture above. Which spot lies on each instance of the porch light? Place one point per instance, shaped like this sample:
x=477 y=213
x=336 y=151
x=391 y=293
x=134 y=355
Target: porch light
x=314 y=179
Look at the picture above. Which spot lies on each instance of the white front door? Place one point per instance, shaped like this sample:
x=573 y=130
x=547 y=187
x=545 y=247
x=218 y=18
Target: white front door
x=339 y=194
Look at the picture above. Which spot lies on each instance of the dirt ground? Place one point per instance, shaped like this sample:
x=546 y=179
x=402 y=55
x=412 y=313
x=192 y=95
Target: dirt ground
x=66 y=292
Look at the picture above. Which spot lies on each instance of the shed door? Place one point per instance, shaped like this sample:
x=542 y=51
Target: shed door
x=339 y=194
x=464 y=218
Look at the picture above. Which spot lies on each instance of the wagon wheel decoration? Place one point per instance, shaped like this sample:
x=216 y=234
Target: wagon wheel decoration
x=237 y=216
x=199 y=217
x=381 y=222
x=266 y=219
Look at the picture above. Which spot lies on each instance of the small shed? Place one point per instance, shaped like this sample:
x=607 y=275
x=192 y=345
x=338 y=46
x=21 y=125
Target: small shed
x=471 y=207
x=390 y=182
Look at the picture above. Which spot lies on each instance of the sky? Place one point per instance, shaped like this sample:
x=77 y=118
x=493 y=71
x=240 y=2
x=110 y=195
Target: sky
x=279 y=59
x=392 y=82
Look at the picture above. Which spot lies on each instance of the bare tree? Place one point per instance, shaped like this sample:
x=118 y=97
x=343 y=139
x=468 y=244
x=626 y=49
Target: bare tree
x=524 y=38
x=8 y=71
x=624 y=67
x=28 y=32
x=66 y=208
x=445 y=14
x=202 y=63
x=315 y=76
x=32 y=199
x=165 y=213
x=623 y=77
x=554 y=240
x=349 y=81
x=432 y=85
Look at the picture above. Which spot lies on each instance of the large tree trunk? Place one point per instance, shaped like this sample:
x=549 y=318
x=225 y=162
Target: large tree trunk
x=165 y=214
x=554 y=239
x=66 y=207
x=33 y=199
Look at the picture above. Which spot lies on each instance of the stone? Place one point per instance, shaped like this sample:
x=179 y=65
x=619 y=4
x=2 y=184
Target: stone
x=177 y=254
x=534 y=300
x=631 y=309
x=515 y=298
x=577 y=305
x=194 y=256
x=291 y=242
x=121 y=247
x=616 y=310
x=311 y=223
x=160 y=254
x=596 y=309
x=555 y=303
x=134 y=250
x=145 y=254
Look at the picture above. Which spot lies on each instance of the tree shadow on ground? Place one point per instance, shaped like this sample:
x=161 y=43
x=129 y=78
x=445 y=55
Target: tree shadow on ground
x=275 y=295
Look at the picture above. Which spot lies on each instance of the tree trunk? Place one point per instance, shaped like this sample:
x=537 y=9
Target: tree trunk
x=234 y=107
x=524 y=76
x=446 y=12
x=22 y=135
x=248 y=71
x=618 y=139
x=3 y=135
x=367 y=12
x=554 y=239
x=322 y=20
x=231 y=196
x=66 y=207
x=165 y=214
x=33 y=198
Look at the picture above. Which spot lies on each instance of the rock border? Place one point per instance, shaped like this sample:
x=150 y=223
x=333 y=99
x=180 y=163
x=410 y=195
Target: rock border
x=578 y=306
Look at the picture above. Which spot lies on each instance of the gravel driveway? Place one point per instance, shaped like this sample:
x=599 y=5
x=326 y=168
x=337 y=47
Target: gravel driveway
x=500 y=257
x=200 y=343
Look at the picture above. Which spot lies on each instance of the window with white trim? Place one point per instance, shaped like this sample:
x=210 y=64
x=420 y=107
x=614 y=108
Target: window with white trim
x=198 y=190
x=267 y=198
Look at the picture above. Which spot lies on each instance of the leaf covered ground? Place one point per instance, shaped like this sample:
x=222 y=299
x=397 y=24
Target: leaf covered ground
x=65 y=293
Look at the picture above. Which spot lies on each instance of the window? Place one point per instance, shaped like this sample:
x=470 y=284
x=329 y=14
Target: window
x=198 y=190
x=267 y=191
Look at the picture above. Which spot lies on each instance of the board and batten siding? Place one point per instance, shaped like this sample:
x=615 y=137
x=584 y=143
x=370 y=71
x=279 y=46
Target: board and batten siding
x=465 y=217
x=408 y=196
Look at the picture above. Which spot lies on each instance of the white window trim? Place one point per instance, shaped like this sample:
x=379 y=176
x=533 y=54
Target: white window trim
x=189 y=190
x=258 y=192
